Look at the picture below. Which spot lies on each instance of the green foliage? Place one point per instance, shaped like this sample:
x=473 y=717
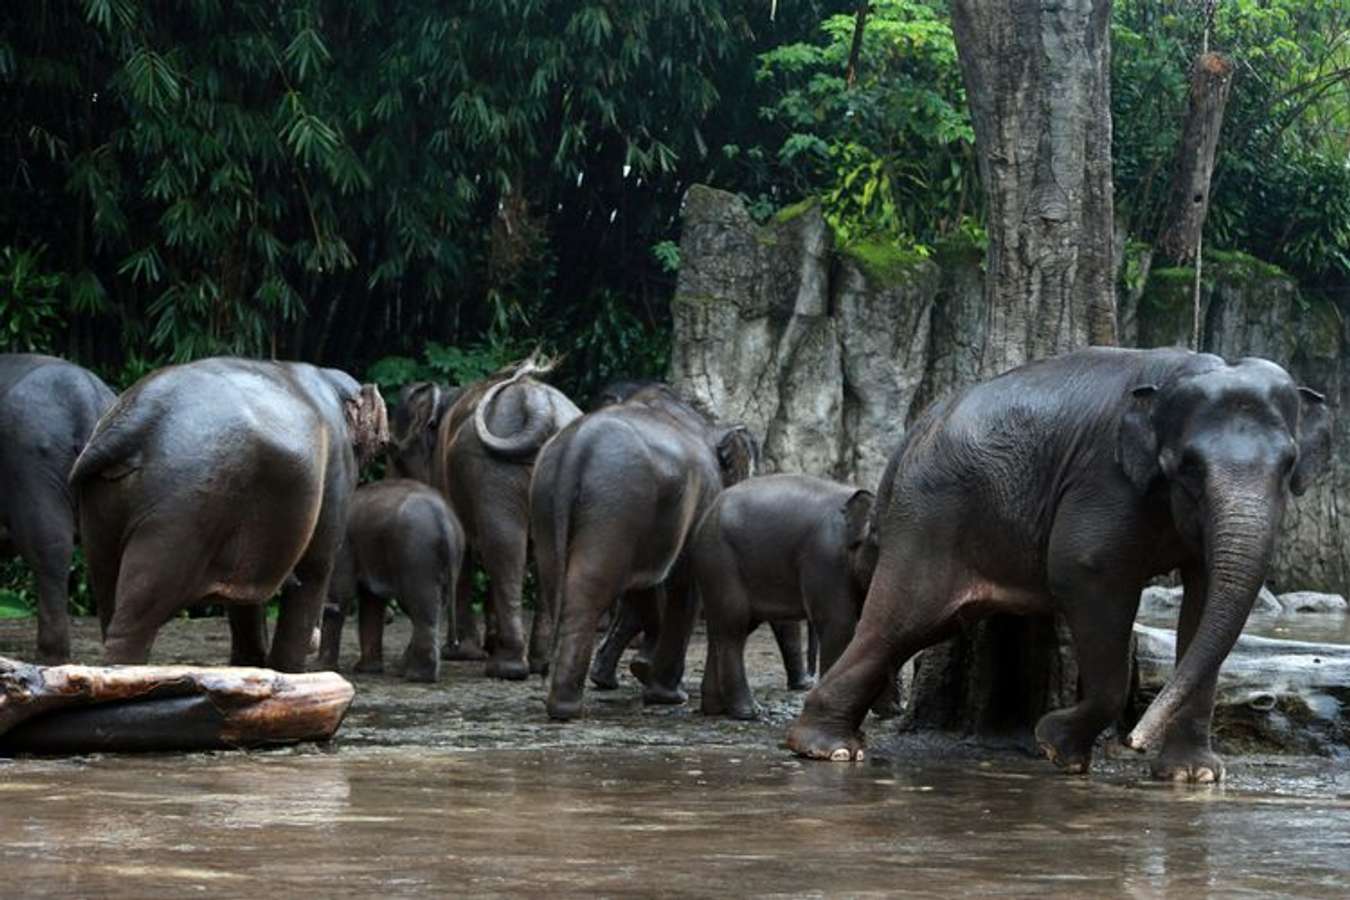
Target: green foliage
x=890 y=156
x=1281 y=188
x=30 y=305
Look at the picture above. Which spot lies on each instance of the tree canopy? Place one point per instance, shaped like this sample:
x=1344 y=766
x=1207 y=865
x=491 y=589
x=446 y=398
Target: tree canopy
x=425 y=188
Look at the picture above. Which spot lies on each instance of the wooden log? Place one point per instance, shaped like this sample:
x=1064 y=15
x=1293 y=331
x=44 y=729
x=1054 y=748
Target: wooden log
x=1188 y=203
x=73 y=709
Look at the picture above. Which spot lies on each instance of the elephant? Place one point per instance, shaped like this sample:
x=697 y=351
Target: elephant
x=626 y=621
x=48 y=408
x=402 y=543
x=1062 y=486
x=223 y=480
x=614 y=498
x=777 y=549
x=486 y=442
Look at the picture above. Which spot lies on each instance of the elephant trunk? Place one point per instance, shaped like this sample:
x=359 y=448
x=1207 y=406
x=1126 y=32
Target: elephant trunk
x=1239 y=539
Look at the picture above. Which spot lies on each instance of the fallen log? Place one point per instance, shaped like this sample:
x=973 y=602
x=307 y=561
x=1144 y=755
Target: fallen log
x=82 y=709
x=1272 y=694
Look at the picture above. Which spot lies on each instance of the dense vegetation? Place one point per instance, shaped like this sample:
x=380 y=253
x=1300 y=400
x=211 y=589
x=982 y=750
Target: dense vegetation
x=429 y=188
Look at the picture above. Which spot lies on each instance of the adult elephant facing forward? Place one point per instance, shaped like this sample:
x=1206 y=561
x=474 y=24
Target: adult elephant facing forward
x=1064 y=485
x=48 y=409
x=614 y=499
x=484 y=453
x=216 y=480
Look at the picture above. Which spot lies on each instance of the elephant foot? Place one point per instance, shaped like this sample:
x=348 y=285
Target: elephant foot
x=326 y=663
x=660 y=695
x=821 y=742
x=1196 y=765
x=1058 y=740
x=563 y=710
x=251 y=660
x=801 y=683
x=641 y=669
x=55 y=654
x=464 y=651
x=538 y=666
x=604 y=679
x=508 y=669
x=423 y=670
x=369 y=667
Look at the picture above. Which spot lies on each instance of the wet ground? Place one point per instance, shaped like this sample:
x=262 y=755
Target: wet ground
x=464 y=787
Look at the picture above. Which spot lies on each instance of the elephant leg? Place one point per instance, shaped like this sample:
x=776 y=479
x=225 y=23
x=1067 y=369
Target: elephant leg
x=370 y=631
x=908 y=608
x=733 y=686
x=625 y=624
x=462 y=643
x=677 y=624
x=1100 y=612
x=1186 y=754
x=590 y=583
x=504 y=555
x=248 y=634
x=648 y=609
x=422 y=604
x=541 y=633
x=789 y=638
x=156 y=578
x=46 y=541
x=301 y=606
x=330 y=639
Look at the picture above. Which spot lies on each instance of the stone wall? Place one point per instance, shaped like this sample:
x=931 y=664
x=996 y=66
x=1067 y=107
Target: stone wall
x=829 y=354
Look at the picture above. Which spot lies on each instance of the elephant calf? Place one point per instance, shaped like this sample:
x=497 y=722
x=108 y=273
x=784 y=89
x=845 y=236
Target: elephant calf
x=402 y=543
x=775 y=549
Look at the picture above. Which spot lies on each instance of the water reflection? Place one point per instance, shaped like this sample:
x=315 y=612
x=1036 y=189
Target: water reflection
x=407 y=820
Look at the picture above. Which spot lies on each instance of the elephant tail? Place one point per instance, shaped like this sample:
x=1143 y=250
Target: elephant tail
x=566 y=490
x=113 y=449
x=539 y=426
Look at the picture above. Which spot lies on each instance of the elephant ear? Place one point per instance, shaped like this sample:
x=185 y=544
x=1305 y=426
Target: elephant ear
x=1136 y=441
x=420 y=408
x=737 y=454
x=1314 y=440
x=367 y=422
x=857 y=512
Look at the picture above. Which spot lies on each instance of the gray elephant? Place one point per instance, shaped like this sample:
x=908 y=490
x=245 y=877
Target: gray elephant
x=778 y=549
x=1062 y=486
x=614 y=499
x=485 y=447
x=216 y=480
x=48 y=408
x=402 y=543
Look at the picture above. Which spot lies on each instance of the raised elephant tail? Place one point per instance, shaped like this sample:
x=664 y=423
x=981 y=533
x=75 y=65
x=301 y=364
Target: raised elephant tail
x=539 y=426
x=113 y=449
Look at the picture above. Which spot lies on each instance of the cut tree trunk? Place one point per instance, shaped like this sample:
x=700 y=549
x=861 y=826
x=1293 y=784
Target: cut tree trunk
x=1188 y=203
x=81 y=709
x=1038 y=81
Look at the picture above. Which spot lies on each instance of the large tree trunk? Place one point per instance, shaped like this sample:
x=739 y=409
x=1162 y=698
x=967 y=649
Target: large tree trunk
x=1038 y=81
x=1188 y=202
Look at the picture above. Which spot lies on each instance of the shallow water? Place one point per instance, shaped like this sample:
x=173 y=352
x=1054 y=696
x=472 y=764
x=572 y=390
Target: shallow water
x=465 y=787
x=399 y=821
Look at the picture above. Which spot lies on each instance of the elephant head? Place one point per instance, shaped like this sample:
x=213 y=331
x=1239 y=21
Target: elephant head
x=860 y=540
x=1226 y=443
x=367 y=422
x=414 y=426
x=737 y=453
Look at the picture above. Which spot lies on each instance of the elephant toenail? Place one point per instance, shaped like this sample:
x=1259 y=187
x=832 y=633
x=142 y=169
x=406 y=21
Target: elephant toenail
x=840 y=755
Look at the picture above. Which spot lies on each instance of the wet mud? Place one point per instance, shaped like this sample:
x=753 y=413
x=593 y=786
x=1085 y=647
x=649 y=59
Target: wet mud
x=465 y=787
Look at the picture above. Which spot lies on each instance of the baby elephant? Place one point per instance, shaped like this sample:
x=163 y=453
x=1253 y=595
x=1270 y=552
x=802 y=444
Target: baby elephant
x=773 y=549
x=403 y=543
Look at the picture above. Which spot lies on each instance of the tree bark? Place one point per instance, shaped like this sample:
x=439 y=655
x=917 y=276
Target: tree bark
x=855 y=50
x=1188 y=202
x=1037 y=78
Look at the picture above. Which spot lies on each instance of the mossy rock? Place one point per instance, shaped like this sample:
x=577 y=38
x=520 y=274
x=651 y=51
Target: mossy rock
x=794 y=211
x=883 y=262
x=1165 y=307
x=958 y=250
x=1230 y=263
x=1320 y=327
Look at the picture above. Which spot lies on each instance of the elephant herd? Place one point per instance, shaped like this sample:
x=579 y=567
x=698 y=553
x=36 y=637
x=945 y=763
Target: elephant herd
x=1059 y=487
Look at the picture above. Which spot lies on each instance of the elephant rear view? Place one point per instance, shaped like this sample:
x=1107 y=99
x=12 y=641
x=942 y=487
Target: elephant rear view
x=216 y=480
x=614 y=499
x=48 y=408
